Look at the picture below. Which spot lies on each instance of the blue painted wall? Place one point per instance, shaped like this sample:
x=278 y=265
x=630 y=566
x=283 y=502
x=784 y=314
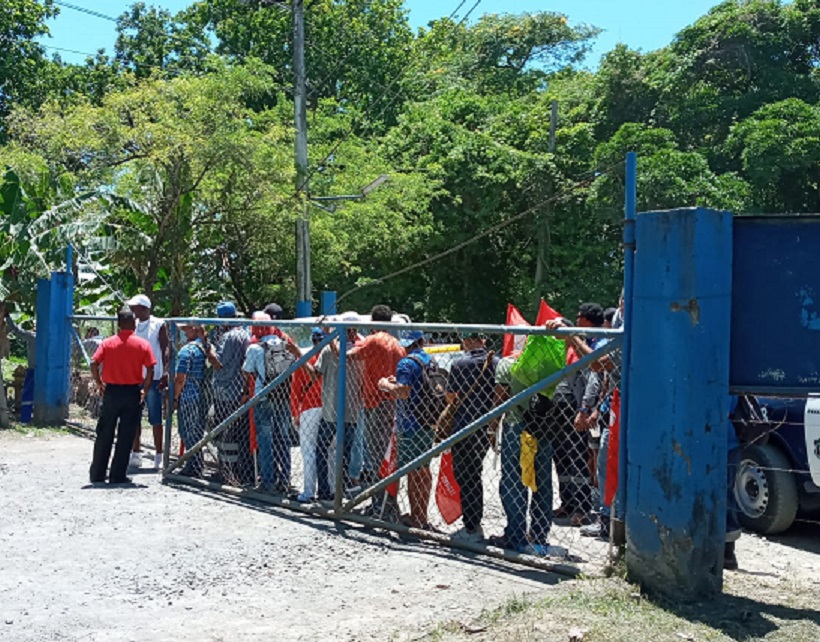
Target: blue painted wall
x=678 y=402
x=776 y=305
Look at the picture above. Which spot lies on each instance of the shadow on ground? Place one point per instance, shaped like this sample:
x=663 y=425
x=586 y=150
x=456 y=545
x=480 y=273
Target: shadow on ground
x=803 y=535
x=742 y=618
x=383 y=539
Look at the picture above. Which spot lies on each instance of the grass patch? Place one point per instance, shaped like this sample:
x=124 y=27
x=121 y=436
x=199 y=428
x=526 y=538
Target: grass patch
x=612 y=610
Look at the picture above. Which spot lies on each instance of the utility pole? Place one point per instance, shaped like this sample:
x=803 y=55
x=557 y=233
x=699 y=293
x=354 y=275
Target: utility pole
x=543 y=222
x=304 y=297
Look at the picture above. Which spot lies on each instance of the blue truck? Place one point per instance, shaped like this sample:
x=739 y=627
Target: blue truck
x=774 y=484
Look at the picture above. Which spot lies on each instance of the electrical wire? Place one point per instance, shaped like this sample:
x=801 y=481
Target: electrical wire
x=595 y=174
x=387 y=92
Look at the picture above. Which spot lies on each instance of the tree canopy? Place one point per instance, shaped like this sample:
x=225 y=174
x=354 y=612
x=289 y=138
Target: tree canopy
x=168 y=162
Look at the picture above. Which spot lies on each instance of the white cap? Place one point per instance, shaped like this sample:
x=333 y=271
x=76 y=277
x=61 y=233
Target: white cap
x=350 y=317
x=140 y=299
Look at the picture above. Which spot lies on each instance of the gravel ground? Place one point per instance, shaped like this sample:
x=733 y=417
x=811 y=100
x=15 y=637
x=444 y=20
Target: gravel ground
x=160 y=563
x=163 y=563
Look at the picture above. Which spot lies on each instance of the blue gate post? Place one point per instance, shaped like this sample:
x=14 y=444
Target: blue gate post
x=55 y=298
x=328 y=302
x=679 y=401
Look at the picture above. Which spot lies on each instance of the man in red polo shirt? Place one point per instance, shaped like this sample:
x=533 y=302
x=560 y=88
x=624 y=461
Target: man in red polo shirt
x=123 y=388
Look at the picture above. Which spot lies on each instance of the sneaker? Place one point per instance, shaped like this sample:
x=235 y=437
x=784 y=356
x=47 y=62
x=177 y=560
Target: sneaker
x=158 y=461
x=303 y=498
x=136 y=460
x=499 y=541
x=598 y=530
x=464 y=535
x=579 y=518
x=543 y=550
x=117 y=482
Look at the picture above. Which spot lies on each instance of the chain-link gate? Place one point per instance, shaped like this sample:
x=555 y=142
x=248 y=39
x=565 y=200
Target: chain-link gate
x=481 y=444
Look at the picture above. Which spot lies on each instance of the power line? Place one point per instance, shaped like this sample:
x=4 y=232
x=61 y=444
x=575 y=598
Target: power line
x=595 y=174
x=172 y=36
x=90 y=12
x=393 y=96
x=74 y=51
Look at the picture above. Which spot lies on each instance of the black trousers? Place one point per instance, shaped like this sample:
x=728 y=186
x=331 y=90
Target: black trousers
x=468 y=467
x=235 y=455
x=121 y=411
x=571 y=461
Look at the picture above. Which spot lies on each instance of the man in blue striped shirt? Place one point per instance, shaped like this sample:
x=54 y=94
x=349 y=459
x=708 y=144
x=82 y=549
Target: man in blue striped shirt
x=189 y=396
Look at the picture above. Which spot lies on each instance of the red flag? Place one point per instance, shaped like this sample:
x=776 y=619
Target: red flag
x=611 y=486
x=390 y=464
x=545 y=313
x=514 y=343
x=253 y=443
x=448 y=492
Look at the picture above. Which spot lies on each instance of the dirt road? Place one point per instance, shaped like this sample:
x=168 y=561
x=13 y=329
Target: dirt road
x=158 y=563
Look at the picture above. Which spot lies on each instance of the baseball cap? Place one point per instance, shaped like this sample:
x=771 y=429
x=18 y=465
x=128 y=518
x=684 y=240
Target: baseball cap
x=317 y=331
x=140 y=299
x=226 y=310
x=410 y=337
x=274 y=310
x=350 y=317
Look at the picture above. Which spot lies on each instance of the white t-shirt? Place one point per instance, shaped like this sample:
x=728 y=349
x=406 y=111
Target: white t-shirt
x=149 y=330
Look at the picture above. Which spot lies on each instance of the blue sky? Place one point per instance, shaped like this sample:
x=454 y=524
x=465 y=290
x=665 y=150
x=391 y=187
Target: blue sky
x=638 y=23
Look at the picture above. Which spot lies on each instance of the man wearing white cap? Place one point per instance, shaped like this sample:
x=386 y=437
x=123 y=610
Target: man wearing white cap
x=153 y=330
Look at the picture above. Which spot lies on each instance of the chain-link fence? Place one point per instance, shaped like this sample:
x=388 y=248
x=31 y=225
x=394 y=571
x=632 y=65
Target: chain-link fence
x=485 y=444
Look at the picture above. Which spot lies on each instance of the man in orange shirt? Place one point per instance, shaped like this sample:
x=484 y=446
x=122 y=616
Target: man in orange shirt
x=381 y=353
x=123 y=388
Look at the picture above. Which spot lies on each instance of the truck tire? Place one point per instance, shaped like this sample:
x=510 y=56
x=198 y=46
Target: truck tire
x=765 y=490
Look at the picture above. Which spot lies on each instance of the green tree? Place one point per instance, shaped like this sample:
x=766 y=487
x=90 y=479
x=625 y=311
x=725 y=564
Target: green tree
x=356 y=51
x=152 y=41
x=497 y=54
x=177 y=157
x=778 y=149
x=21 y=56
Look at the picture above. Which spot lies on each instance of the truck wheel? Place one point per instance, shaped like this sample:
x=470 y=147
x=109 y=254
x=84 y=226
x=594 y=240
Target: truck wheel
x=765 y=491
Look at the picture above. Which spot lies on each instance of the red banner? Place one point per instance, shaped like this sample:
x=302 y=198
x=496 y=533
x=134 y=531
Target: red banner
x=448 y=492
x=514 y=343
x=611 y=486
x=390 y=465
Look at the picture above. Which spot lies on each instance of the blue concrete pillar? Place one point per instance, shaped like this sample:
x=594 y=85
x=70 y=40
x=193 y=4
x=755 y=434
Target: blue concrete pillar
x=328 y=302
x=303 y=309
x=679 y=401
x=55 y=299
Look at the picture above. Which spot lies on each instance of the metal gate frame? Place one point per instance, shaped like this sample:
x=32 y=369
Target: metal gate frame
x=342 y=511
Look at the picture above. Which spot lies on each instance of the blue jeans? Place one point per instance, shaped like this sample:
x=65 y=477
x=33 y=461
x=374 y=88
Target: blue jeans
x=273 y=439
x=327 y=432
x=513 y=493
x=153 y=404
x=191 y=419
x=358 y=460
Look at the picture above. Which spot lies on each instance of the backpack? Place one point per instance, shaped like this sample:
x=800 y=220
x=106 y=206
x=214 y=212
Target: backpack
x=432 y=399
x=277 y=359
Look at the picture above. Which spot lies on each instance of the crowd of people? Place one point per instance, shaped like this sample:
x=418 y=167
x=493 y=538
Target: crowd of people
x=388 y=392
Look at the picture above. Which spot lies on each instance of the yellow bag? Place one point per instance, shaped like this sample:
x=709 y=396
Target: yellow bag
x=529 y=448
